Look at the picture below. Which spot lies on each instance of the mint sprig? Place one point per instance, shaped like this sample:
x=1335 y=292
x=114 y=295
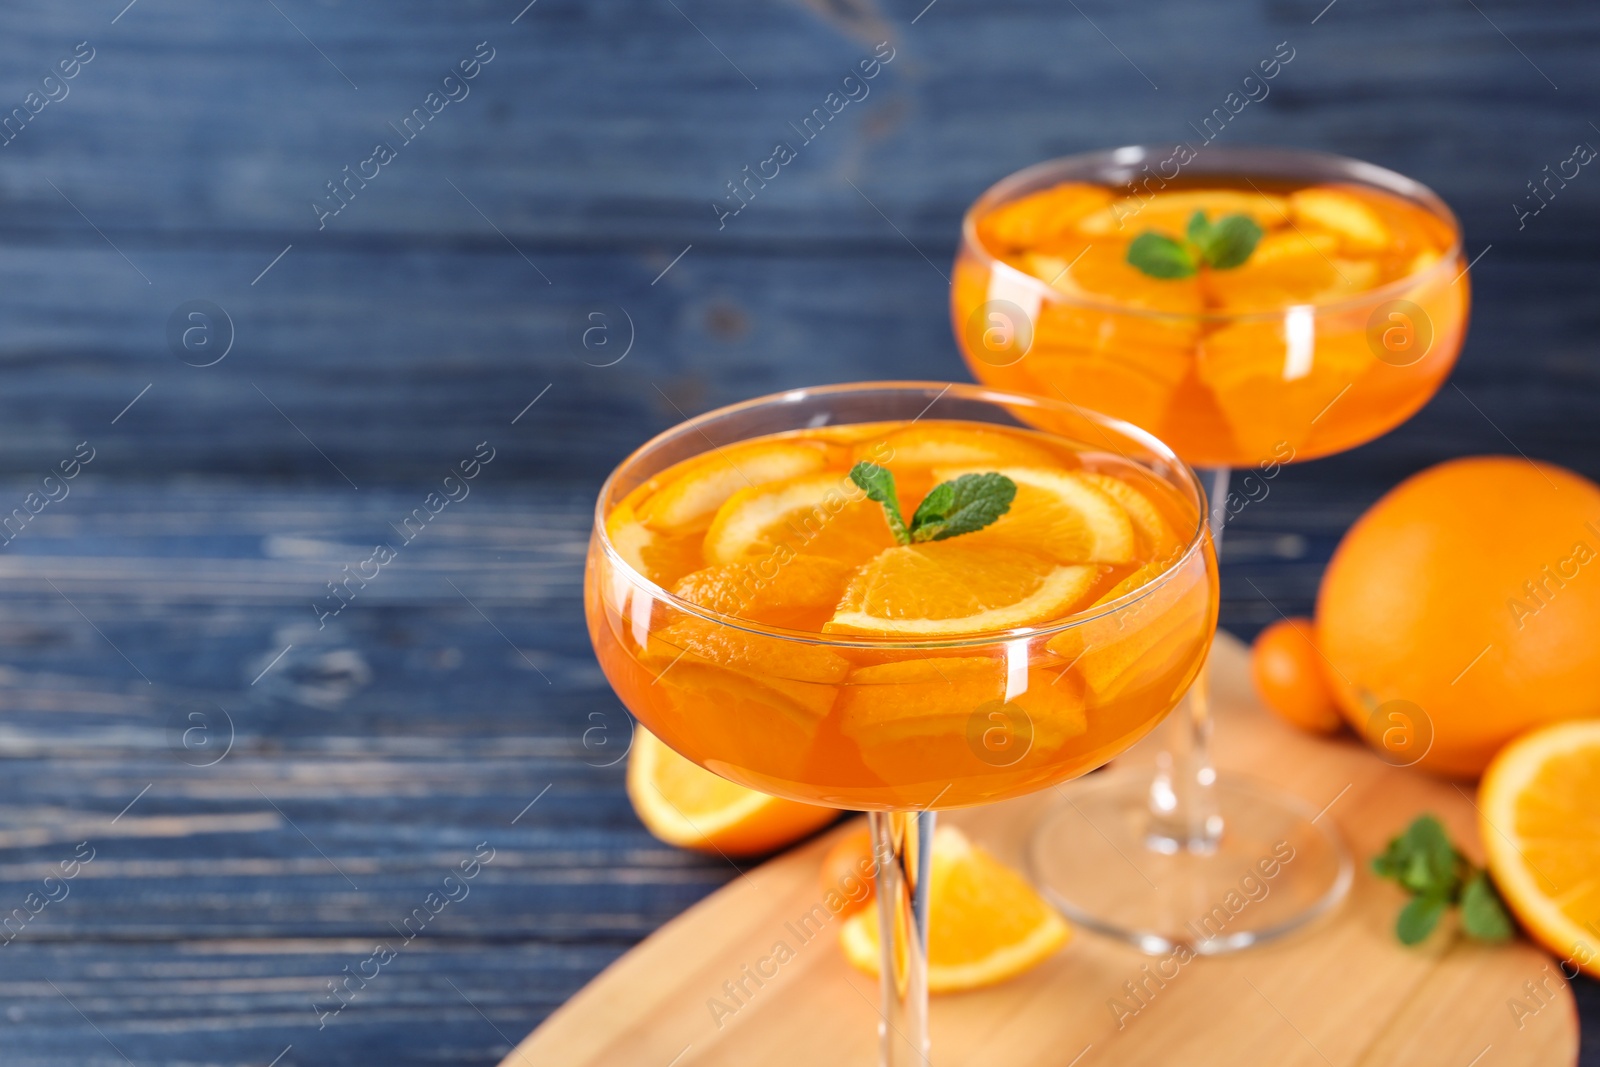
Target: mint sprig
x=950 y=509
x=1222 y=245
x=1425 y=864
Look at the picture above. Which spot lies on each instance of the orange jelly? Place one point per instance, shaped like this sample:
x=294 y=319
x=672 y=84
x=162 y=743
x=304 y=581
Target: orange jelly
x=1341 y=324
x=754 y=610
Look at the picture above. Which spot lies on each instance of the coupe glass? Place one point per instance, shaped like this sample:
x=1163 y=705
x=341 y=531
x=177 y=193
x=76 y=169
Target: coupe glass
x=1150 y=858
x=763 y=706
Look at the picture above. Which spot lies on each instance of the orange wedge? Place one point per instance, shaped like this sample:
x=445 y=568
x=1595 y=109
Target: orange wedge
x=1541 y=830
x=686 y=805
x=985 y=923
x=945 y=588
x=1065 y=516
x=689 y=500
x=821 y=514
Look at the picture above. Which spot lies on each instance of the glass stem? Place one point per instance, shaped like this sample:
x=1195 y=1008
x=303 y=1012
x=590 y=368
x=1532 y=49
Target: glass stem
x=1183 y=804
x=903 y=846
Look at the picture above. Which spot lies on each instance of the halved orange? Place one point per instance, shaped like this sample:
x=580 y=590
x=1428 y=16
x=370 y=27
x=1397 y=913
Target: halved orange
x=1065 y=516
x=690 y=499
x=686 y=805
x=985 y=922
x=1541 y=831
x=954 y=587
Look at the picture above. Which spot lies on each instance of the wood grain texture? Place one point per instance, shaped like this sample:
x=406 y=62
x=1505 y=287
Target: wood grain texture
x=1344 y=991
x=419 y=322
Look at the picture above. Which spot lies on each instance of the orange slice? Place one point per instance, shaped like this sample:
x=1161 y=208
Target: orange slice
x=985 y=923
x=781 y=591
x=1103 y=271
x=686 y=805
x=1144 y=643
x=935 y=697
x=689 y=500
x=661 y=559
x=1155 y=535
x=932 y=443
x=1041 y=218
x=821 y=514
x=1065 y=516
x=1341 y=213
x=944 y=588
x=1541 y=830
x=1169 y=213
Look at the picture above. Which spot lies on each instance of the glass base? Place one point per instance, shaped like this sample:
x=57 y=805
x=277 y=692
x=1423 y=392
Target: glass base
x=1099 y=859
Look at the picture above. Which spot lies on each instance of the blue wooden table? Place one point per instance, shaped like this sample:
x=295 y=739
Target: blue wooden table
x=275 y=339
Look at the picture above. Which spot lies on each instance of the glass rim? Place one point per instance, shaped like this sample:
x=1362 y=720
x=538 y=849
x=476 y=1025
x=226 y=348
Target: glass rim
x=999 y=397
x=1359 y=171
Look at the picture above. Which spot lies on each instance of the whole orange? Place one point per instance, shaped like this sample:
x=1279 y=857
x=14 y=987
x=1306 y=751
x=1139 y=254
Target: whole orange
x=1462 y=609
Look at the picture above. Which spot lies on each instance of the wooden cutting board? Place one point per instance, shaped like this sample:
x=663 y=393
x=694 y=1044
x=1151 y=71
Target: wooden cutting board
x=1342 y=993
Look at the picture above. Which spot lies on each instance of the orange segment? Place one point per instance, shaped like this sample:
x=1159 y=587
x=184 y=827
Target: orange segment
x=816 y=514
x=1062 y=515
x=661 y=559
x=954 y=587
x=690 y=499
x=784 y=590
x=686 y=805
x=1040 y=218
x=985 y=923
x=1541 y=830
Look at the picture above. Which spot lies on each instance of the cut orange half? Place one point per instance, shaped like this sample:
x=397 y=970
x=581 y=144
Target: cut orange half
x=952 y=587
x=686 y=805
x=985 y=923
x=1541 y=830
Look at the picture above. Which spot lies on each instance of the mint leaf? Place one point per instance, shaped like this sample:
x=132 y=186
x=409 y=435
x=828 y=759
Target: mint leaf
x=878 y=484
x=1418 y=918
x=1230 y=241
x=1221 y=245
x=1483 y=916
x=969 y=503
x=1432 y=863
x=1160 y=256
